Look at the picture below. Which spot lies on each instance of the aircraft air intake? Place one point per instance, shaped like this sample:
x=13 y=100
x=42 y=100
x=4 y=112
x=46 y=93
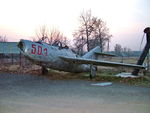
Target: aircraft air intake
x=21 y=45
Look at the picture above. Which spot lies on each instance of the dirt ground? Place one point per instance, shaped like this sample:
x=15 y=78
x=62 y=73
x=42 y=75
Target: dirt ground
x=21 y=93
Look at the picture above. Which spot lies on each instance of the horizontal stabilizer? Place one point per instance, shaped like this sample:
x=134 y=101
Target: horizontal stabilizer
x=105 y=54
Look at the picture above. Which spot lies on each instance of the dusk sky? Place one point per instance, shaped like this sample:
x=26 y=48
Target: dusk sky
x=19 y=19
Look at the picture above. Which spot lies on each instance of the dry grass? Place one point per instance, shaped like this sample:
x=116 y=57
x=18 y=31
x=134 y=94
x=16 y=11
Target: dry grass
x=19 y=69
x=36 y=70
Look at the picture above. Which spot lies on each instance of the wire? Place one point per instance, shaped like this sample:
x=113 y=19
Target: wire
x=142 y=41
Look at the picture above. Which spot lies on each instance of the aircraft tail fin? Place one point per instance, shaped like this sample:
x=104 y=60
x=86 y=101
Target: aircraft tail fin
x=91 y=53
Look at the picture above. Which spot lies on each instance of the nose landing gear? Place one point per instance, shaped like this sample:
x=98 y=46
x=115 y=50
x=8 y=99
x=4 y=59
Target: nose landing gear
x=44 y=70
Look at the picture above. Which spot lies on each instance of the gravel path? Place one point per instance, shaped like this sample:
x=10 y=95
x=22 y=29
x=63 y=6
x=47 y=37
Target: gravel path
x=35 y=94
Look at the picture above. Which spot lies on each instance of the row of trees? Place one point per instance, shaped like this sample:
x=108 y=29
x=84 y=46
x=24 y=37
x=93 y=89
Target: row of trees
x=55 y=36
x=3 y=38
x=122 y=51
x=91 y=32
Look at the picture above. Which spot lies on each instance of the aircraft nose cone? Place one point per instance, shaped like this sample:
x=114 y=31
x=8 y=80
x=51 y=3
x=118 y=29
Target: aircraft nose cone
x=21 y=45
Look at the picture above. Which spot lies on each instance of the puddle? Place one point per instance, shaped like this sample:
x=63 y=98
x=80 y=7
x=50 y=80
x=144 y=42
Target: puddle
x=102 y=84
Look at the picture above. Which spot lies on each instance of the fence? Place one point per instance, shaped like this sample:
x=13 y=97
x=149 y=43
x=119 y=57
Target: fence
x=10 y=54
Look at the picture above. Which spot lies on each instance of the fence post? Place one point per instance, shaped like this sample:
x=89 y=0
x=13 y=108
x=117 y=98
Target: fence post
x=12 y=58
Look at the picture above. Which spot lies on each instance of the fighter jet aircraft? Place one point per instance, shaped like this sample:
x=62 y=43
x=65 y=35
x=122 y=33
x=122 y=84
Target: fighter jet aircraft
x=62 y=58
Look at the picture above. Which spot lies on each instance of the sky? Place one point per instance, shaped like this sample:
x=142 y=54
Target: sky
x=126 y=19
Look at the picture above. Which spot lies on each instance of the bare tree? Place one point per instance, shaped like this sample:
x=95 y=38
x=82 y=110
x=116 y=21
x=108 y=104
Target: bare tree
x=42 y=33
x=51 y=36
x=3 y=38
x=56 y=36
x=118 y=49
x=127 y=51
x=100 y=33
x=79 y=43
x=86 y=27
x=92 y=30
x=108 y=44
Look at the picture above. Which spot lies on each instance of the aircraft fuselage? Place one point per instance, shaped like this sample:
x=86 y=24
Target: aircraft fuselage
x=49 y=56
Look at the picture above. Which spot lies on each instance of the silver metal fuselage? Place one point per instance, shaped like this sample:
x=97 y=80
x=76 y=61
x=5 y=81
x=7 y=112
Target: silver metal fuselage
x=49 y=56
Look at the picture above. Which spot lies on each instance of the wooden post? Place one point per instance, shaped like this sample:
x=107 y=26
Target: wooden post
x=12 y=58
x=20 y=59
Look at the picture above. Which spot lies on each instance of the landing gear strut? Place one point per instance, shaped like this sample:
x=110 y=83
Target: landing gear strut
x=44 y=70
x=93 y=71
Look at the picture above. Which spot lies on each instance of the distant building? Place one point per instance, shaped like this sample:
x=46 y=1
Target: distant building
x=9 y=48
x=9 y=53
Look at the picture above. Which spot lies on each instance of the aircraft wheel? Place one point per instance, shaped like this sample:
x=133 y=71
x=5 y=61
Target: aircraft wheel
x=44 y=70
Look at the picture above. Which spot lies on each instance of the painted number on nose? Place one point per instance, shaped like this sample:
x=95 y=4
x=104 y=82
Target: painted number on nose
x=37 y=50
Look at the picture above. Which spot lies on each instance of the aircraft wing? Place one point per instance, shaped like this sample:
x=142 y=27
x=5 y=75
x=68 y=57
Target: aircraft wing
x=99 y=62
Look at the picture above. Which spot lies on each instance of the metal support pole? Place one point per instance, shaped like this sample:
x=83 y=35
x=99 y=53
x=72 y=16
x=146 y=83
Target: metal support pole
x=145 y=51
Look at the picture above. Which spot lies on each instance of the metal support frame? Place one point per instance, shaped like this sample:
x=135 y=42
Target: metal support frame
x=145 y=51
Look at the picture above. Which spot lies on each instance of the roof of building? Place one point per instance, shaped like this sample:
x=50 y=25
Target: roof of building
x=9 y=47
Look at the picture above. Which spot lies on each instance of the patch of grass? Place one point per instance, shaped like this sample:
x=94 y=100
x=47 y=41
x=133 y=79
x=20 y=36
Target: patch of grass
x=105 y=76
x=61 y=75
x=138 y=81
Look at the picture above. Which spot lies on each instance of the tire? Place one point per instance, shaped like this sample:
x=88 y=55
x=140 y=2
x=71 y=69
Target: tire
x=44 y=70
